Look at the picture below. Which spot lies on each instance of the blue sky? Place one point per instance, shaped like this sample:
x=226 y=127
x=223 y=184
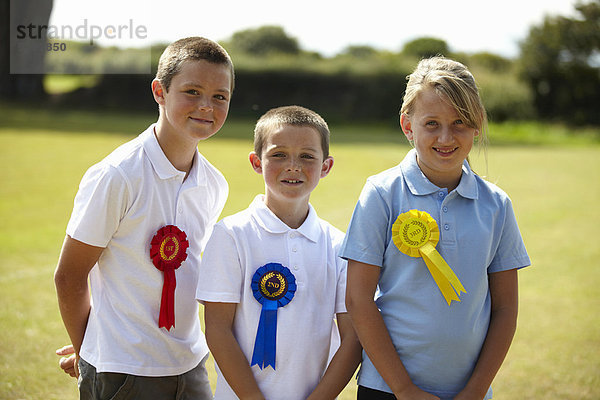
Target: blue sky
x=320 y=25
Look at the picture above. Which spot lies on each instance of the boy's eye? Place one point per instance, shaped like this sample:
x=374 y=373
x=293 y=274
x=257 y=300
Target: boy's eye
x=192 y=91
x=308 y=156
x=220 y=97
x=431 y=123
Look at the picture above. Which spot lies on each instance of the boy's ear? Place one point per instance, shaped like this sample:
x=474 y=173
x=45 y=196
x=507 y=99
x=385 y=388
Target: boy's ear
x=256 y=162
x=326 y=166
x=406 y=126
x=158 y=92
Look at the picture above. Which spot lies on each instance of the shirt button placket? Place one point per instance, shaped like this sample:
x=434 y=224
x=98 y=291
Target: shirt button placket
x=444 y=213
x=179 y=215
x=293 y=246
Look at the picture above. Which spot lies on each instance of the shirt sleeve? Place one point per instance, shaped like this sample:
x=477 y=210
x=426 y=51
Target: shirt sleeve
x=367 y=236
x=340 y=295
x=221 y=276
x=511 y=252
x=99 y=206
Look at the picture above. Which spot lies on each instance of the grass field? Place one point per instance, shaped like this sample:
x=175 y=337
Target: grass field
x=556 y=352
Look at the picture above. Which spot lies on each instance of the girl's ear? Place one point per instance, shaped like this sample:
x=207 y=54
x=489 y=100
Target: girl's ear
x=406 y=126
x=158 y=92
x=326 y=166
x=255 y=162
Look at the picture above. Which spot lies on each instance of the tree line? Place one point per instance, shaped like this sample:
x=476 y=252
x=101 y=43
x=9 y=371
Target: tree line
x=556 y=76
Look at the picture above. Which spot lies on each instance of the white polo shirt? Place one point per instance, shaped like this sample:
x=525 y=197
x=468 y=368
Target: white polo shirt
x=121 y=203
x=242 y=243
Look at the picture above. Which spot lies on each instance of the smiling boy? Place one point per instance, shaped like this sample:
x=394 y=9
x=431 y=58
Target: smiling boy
x=139 y=224
x=272 y=284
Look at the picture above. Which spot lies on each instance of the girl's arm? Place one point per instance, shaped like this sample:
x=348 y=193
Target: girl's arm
x=373 y=334
x=503 y=324
x=344 y=362
x=226 y=350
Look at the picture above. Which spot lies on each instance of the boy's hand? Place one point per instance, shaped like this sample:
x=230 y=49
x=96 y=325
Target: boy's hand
x=69 y=364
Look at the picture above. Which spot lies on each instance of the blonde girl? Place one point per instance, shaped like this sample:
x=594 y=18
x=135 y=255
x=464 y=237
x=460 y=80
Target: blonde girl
x=433 y=252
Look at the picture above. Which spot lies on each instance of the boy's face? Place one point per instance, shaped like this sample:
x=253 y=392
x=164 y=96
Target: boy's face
x=197 y=103
x=291 y=164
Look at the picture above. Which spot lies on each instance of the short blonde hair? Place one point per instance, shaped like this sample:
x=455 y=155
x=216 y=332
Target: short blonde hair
x=453 y=81
x=290 y=115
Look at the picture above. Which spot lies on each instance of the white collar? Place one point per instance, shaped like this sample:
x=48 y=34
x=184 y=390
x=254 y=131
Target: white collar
x=310 y=228
x=163 y=167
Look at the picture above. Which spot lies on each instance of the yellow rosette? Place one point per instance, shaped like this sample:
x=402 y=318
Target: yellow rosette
x=416 y=234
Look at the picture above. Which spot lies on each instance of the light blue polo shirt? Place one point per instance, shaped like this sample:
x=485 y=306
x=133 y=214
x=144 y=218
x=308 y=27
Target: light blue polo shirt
x=438 y=344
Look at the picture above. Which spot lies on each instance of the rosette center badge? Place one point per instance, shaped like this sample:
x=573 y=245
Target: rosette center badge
x=169 y=248
x=273 y=285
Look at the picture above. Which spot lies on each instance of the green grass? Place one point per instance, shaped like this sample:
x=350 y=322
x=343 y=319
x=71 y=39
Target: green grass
x=555 y=355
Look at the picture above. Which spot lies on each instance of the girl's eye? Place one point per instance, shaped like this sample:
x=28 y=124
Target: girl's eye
x=192 y=91
x=458 y=122
x=431 y=123
x=220 y=97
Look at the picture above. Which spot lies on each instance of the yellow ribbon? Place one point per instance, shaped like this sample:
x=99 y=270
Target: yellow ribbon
x=416 y=234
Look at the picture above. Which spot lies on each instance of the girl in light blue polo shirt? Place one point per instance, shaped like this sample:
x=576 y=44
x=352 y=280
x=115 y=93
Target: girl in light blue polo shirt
x=433 y=252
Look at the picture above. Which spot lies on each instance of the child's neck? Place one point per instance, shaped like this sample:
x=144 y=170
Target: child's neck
x=291 y=213
x=179 y=152
x=446 y=179
x=449 y=183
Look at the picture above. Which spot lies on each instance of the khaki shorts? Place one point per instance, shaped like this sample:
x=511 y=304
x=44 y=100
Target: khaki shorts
x=192 y=385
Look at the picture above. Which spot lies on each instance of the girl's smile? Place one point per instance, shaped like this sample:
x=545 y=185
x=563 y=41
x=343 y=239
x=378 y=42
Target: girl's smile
x=442 y=140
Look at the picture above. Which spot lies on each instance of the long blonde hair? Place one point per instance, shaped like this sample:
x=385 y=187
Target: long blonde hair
x=455 y=84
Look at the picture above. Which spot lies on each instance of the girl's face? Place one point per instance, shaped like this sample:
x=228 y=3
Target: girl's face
x=441 y=138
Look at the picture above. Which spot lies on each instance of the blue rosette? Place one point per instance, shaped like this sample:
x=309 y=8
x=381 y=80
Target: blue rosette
x=273 y=286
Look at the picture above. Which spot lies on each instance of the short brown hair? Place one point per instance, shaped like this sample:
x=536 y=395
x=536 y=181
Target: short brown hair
x=191 y=48
x=290 y=115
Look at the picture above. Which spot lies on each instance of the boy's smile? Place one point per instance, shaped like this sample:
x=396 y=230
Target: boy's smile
x=292 y=165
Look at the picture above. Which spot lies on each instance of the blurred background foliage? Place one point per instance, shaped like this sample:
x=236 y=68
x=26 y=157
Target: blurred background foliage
x=555 y=78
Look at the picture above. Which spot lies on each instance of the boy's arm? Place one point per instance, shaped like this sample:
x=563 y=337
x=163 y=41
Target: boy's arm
x=226 y=350
x=342 y=365
x=68 y=361
x=503 y=324
x=373 y=334
x=71 y=281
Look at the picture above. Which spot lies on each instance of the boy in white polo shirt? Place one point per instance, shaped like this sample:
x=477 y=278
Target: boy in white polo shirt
x=271 y=282
x=141 y=219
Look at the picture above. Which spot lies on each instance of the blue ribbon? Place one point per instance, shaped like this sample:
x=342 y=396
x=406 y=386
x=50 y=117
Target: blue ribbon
x=266 y=334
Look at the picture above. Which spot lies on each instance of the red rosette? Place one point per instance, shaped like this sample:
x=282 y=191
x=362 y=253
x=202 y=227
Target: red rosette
x=168 y=249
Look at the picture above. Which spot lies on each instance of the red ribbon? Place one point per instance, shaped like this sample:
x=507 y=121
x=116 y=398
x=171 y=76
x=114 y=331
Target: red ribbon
x=167 y=251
